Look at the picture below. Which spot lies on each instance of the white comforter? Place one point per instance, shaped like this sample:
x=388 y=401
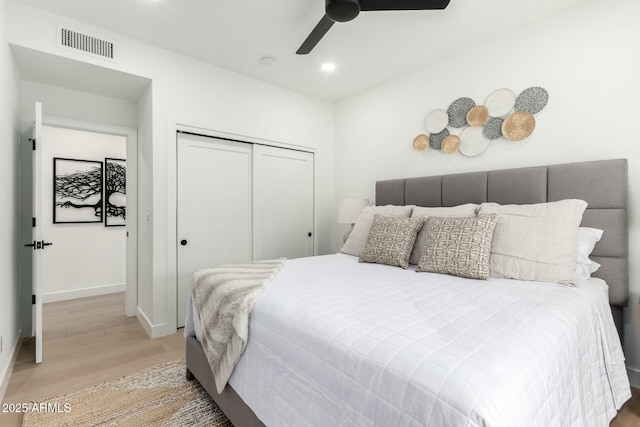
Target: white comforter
x=337 y=343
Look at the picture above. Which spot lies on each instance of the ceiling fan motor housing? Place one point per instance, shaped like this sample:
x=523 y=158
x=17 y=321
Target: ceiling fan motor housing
x=342 y=10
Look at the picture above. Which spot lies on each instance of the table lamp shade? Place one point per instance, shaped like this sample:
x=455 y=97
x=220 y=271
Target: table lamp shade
x=350 y=210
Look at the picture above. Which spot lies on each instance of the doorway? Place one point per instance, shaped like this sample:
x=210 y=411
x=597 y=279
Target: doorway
x=73 y=267
x=86 y=223
x=130 y=230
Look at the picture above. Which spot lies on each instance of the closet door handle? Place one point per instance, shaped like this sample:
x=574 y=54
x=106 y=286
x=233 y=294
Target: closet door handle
x=309 y=234
x=183 y=242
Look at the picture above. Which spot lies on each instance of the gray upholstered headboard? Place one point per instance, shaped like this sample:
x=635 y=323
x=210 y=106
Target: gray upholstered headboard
x=602 y=184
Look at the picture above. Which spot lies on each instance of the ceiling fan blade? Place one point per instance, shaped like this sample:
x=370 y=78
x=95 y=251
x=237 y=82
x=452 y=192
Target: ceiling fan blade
x=318 y=32
x=403 y=4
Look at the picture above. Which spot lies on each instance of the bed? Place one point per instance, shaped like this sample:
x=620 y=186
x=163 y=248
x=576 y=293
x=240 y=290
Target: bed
x=321 y=352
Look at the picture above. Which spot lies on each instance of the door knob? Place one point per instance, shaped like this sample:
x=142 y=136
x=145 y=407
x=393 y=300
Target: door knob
x=309 y=234
x=183 y=242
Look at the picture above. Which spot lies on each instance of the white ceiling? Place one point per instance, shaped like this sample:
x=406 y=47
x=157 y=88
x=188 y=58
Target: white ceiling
x=236 y=34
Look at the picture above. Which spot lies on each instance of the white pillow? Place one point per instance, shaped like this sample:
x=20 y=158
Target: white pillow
x=586 y=241
x=536 y=242
x=584 y=270
x=461 y=211
x=358 y=237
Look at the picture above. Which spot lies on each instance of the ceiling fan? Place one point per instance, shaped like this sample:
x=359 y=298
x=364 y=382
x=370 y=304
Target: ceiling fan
x=346 y=10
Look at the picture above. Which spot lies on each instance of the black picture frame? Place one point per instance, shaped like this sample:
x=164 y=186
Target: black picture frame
x=115 y=192
x=77 y=191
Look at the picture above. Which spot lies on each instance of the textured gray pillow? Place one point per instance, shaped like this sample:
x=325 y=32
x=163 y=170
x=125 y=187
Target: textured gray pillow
x=536 y=242
x=358 y=237
x=391 y=240
x=458 y=246
x=468 y=211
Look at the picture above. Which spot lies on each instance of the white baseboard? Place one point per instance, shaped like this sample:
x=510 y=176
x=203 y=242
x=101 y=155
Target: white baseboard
x=6 y=375
x=83 y=293
x=634 y=376
x=154 y=331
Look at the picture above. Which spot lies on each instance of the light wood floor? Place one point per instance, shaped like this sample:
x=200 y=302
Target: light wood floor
x=90 y=340
x=85 y=342
x=629 y=414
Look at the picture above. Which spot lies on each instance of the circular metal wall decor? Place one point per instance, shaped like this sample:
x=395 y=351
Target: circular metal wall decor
x=500 y=102
x=437 y=120
x=435 y=139
x=458 y=110
x=504 y=115
x=473 y=142
x=451 y=144
x=532 y=100
x=518 y=126
x=493 y=128
x=478 y=115
x=421 y=142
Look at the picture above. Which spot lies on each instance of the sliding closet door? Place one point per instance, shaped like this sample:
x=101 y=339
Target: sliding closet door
x=214 y=207
x=283 y=203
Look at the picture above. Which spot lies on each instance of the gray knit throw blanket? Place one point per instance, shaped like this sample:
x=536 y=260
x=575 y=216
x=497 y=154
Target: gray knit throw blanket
x=223 y=297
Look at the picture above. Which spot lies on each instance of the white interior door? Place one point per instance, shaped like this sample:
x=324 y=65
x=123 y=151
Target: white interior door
x=32 y=162
x=283 y=185
x=214 y=207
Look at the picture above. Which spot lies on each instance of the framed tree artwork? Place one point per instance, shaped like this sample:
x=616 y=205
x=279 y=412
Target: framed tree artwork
x=77 y=191
x=115 y=192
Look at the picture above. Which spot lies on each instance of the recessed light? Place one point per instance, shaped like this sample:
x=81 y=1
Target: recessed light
x=267 y=60
x=328 y=67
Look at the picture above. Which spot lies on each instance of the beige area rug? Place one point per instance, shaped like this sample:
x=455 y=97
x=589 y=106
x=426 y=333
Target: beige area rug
x=157 y=396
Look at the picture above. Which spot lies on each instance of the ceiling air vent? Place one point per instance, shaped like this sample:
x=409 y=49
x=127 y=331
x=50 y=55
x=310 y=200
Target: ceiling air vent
x=85 y=43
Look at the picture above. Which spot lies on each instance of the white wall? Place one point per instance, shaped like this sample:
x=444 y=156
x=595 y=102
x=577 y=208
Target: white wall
x=61 y=102
x=10 y=316
x=189 y=92
x=588 y=58
x=85 y=259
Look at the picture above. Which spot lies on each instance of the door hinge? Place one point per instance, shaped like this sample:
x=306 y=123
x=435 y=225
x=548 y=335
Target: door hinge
x=33 y=299
x=33 y=143
x=33 y=222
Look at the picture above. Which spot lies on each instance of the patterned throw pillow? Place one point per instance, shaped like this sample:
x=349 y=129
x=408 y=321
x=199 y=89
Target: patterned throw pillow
x=391 y=240
x=358 y=237
x=458 y=246
x=468 y=211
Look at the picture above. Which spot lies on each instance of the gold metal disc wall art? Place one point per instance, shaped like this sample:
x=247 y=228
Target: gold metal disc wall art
x=421 y=142
x=518 y=126
x=450 y=144
x=478 y=115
